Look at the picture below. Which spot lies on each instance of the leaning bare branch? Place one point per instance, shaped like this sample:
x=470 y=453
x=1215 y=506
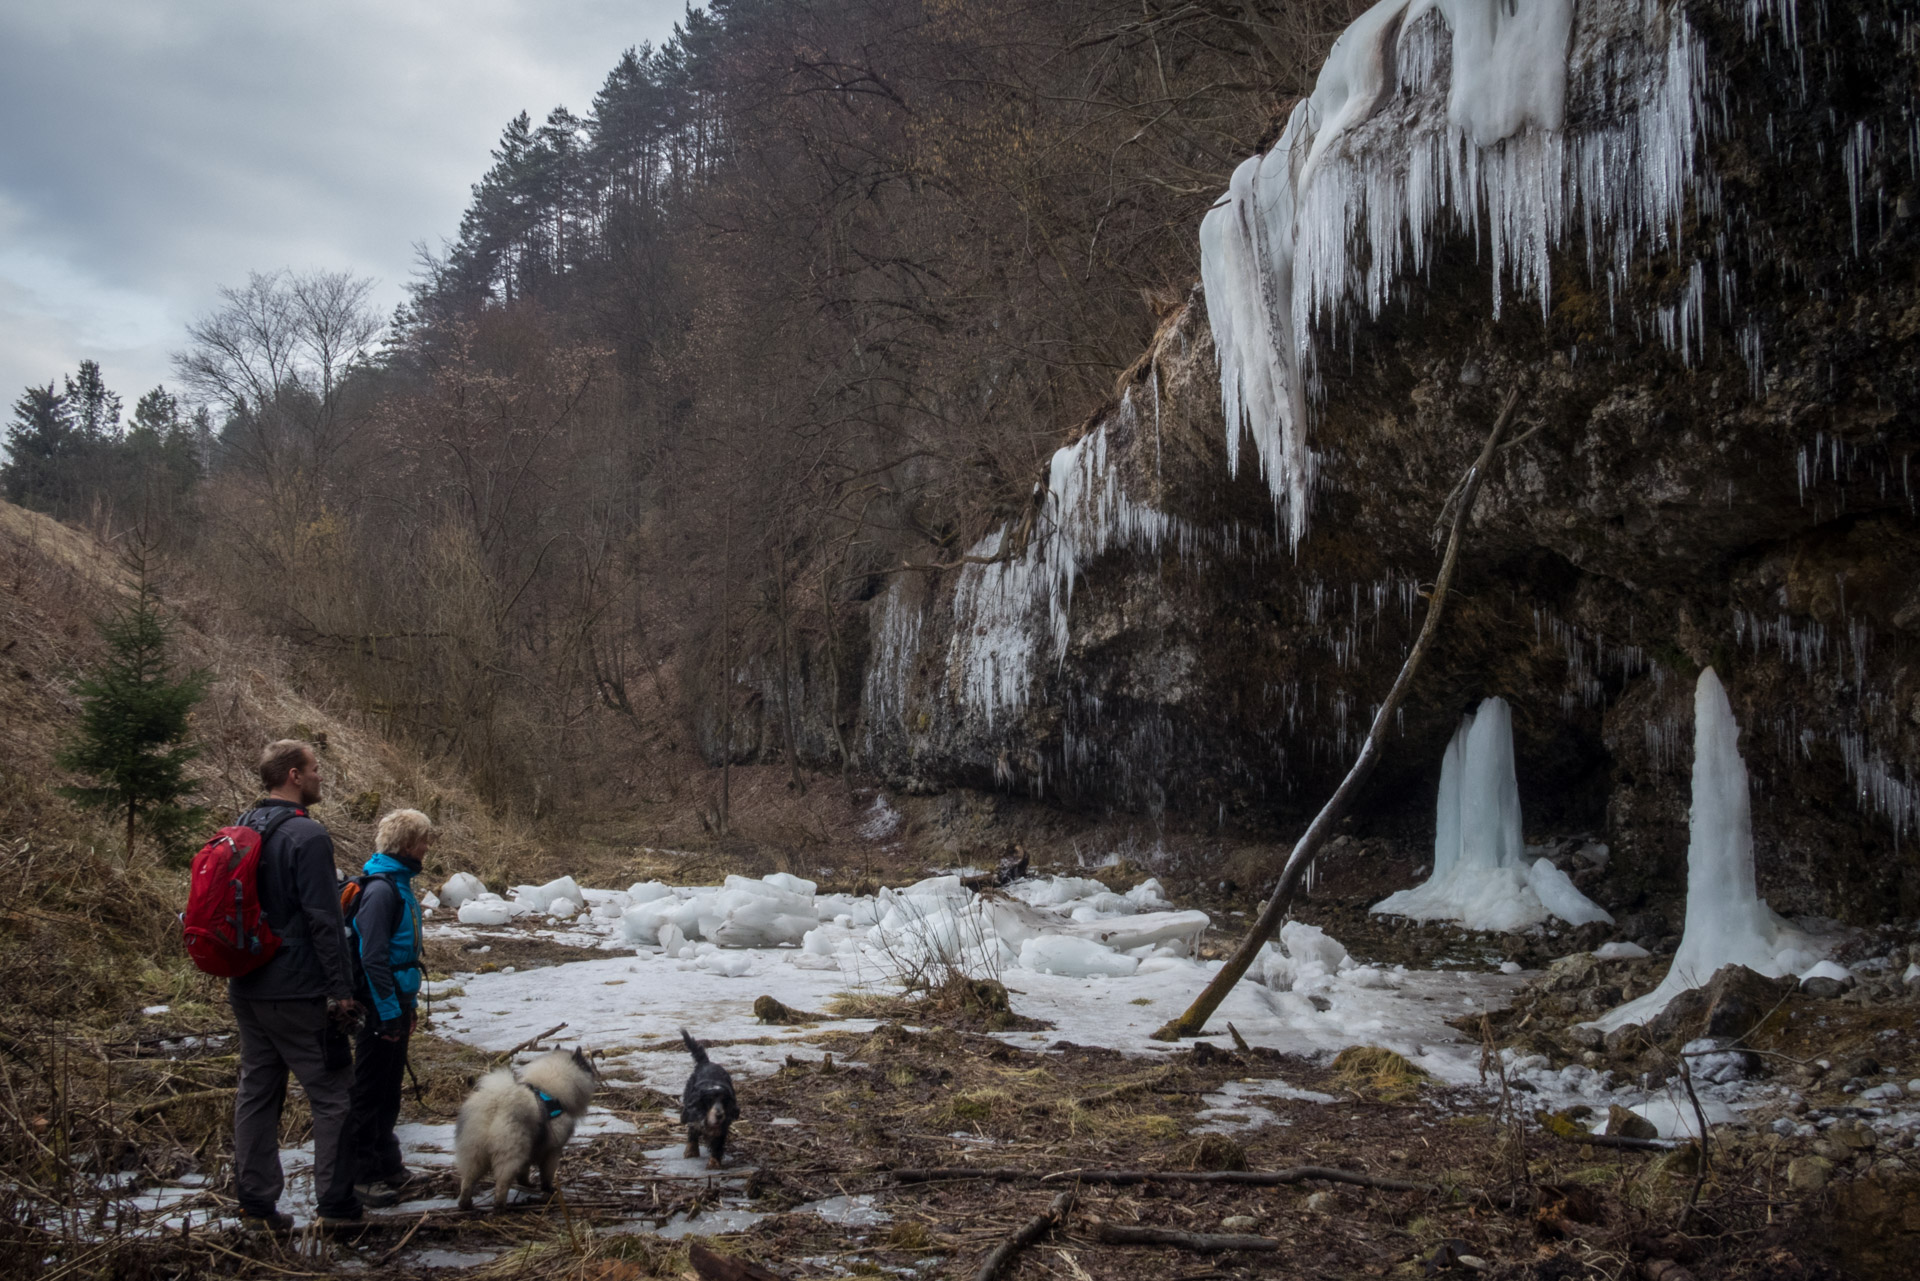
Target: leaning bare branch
x=1190 y=1023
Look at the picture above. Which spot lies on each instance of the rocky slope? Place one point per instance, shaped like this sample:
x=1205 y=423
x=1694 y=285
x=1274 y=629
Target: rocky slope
x=1712 y=466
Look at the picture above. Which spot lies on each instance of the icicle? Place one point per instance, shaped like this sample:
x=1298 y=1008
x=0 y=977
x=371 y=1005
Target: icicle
x=1349 y=200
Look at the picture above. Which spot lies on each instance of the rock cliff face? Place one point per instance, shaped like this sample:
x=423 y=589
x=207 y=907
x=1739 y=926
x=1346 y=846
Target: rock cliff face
x=1712 y=466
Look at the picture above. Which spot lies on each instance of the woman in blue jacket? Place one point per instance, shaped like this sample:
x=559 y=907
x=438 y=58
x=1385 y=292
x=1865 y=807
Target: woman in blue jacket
x=386 y=940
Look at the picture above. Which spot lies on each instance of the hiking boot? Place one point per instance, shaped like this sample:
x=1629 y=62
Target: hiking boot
x=270 y=1221
x=376 y=1196
x=334 y=1220
x=401 y=1179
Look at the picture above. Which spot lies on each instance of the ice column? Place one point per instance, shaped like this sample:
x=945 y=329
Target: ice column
x=1480 y=873
x=1728 y=923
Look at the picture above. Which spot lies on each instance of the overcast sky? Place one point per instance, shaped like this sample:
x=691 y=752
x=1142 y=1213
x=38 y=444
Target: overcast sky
x=154 y=150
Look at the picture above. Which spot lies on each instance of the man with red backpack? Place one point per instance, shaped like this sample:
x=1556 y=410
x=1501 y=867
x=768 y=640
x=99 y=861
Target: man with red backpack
x=296 y=1013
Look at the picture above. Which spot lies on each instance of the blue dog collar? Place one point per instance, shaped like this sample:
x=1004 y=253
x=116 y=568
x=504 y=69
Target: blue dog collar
x=547 y=1101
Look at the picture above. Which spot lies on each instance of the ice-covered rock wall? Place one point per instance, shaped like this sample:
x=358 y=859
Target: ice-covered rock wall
x=1433 y=116
x=1700 y=277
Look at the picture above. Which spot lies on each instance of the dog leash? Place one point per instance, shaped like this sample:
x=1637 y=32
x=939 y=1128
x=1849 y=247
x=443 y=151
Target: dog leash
x=419 y=1092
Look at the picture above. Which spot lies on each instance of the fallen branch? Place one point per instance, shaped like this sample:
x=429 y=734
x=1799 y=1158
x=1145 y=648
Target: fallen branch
x=530 y=1043
x=1254 y=1178
x=1035 y=1228
x=1610 y=1140
x=158 y=1106
x=394 y=1253
x=1202 y=1242
x=1304 y=851
x=721 y=1267
x=1125 y=1088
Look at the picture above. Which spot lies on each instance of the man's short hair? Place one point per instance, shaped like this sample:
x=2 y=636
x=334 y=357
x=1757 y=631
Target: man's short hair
x=281 y=759
x=400 y=830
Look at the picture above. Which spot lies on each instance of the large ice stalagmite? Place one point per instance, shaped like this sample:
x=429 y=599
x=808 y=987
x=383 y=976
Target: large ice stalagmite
x=1728 y=923
x=1480 y=873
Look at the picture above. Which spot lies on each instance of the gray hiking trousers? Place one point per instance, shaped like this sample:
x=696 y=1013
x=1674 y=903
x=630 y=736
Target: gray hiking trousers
x=278 y=1037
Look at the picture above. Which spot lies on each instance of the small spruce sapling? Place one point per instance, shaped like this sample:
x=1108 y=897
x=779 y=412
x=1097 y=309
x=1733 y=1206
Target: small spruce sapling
x=132 y=741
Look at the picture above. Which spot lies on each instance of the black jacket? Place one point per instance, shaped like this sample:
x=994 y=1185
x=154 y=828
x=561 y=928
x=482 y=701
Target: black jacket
x=300 y=897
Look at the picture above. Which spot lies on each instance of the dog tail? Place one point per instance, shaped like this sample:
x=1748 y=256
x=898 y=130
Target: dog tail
x=693 y=1047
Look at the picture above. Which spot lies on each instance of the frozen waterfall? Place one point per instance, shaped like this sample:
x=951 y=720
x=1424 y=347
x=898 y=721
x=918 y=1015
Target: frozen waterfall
x=1437 y=115
x=1728 y=923
x=1480 y=873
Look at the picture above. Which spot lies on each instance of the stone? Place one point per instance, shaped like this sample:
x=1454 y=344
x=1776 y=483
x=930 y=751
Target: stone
x=1809 y=1173
x=1627 y=1124
x=1586 y=1037
x=1321 y=1203
x=1824 y=989
x=1738 y=999
x=1570 y=973
x=1626 y=1041
x=1682 y=1018
x=1239 y=1223
x=1853 y=1134
x=1644 y=928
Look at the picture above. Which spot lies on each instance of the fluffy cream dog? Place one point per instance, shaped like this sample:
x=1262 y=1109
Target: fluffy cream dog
x=510 y=1122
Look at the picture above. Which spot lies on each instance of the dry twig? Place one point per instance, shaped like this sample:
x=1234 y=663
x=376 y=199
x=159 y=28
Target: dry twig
x=1254 y=1178
x=1201 y=1242
x=1032 y=1231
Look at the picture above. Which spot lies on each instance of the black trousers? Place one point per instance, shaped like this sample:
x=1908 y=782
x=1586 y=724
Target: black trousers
x=379 y=1070
x=277 y=1037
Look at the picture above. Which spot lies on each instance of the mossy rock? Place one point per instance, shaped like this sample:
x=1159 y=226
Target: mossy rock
x=771 y=1010
x=364 y=807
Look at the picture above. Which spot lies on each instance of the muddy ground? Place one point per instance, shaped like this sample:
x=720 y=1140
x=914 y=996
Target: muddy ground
x=1499 y=1194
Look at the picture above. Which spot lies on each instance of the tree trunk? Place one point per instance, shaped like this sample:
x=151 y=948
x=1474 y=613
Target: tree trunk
x=794 y=780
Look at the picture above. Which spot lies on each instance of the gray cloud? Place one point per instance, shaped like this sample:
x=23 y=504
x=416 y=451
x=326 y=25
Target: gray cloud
x=157 y=149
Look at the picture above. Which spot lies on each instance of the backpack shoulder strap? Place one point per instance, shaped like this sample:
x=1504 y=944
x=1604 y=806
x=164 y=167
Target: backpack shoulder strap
x=274 y=824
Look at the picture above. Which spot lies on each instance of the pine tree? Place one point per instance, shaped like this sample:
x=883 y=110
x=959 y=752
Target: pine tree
x=96 y=411
x=38 y=441
x=132 y=740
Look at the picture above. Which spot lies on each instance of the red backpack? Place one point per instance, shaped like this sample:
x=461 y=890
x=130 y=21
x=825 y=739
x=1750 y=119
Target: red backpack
x=227 y=934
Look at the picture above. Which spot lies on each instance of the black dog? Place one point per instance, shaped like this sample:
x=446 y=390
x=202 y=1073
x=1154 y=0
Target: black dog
x=707 y=1107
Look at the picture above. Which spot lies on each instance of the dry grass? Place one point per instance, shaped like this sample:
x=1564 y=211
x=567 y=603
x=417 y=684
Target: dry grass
x=958 y=1002
x=1380 y=1073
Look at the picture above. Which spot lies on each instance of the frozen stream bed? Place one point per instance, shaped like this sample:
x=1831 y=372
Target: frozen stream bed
x=1102 y=969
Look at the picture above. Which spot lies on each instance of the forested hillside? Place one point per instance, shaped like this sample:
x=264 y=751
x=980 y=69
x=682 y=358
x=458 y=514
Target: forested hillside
x=802 y=301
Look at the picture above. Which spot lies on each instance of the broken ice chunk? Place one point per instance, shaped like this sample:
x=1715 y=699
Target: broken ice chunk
x=1074 y=957
x=461 y=887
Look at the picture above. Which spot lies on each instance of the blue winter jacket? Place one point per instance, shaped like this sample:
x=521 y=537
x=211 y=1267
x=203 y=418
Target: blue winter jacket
x=386 y=929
